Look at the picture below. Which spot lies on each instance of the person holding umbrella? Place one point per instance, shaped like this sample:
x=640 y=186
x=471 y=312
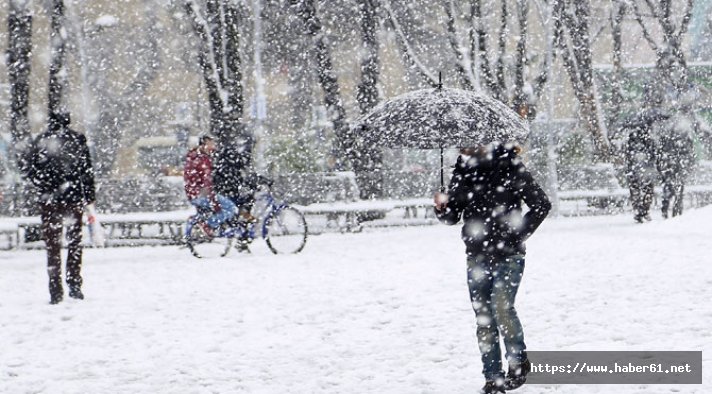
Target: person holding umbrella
x=488 y=185
x=487 y=189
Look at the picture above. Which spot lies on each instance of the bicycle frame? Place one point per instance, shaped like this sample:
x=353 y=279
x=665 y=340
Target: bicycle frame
x=265 y=199
x=272 y=207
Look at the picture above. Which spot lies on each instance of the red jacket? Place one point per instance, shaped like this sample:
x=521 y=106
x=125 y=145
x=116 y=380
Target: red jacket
x=198 y=175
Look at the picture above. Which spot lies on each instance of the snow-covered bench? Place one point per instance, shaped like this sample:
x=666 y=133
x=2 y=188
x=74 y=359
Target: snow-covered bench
x=8 y=236
x=615 y=200
x=120 y=229
x=352 y=216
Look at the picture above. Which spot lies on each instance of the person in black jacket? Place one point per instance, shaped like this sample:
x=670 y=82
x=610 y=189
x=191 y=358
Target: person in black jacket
x=60 y=168
x=233 y=178
x=488 y=186
x=641 y=155
x=675 y=160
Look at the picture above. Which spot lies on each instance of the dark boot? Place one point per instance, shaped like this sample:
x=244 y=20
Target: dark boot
x=492 y=387
x=76 y=293
x=56 y=295
x=517 y=375
x=56 y=292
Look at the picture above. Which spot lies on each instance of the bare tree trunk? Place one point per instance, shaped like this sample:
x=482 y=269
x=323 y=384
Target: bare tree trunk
x=220 y=61
x=306 y=9
x=478 y=39
x=367 y=92
x=520 y=102
x=502 y=47
x=233 y=84
x=518 y=91
x=234 y=159
x=57 y=70
x=543 y=77
x=367 y=160
x=617 y=74
x=464 y=70
x=209 y=51
x=616 y=133
x=19 y=65
x=215 y=15
x=578 y=64
x=233 y=62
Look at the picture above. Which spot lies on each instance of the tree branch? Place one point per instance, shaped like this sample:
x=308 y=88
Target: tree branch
x=408 y=52
x=617 y=74
x=205 y=56
x=461 y=66
x=566 y=53
x=57 y=68
x=19 y=63
x=479 y=40
x=367 y=89
x=646 y=34
x=684 y=25
x=664 y=19
x=520 y=97
x=215 y=17
x=502 y=44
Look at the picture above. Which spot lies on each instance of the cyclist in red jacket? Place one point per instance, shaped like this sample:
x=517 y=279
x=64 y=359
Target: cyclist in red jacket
x=198 y=177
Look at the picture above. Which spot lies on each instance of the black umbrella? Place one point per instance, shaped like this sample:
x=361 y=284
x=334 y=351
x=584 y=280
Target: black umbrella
x=644 y=118
x=440 y=118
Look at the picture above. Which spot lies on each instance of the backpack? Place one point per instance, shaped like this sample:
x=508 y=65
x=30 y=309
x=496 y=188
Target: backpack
x=49 y=162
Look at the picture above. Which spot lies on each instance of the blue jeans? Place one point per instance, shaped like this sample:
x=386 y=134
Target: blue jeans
x=493 y=283
x=227 y=209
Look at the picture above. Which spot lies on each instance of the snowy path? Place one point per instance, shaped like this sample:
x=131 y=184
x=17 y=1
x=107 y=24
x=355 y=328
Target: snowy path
x=378 y=312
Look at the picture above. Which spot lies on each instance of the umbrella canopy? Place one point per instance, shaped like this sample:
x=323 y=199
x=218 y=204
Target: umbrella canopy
x=440 y=117
x=644 y=118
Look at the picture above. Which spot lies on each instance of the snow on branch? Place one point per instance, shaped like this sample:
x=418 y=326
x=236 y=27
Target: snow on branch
x=478 y=43
x=684 y=25
x=646 y=33
x=206 y=56
x=408 y=51
x=464 y=67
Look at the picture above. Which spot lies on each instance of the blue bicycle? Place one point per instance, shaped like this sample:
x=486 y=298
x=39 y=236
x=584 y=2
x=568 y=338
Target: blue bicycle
x=283 y=228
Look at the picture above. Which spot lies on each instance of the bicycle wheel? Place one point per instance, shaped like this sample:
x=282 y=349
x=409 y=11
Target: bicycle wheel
x=202 y=245
x=286 y=231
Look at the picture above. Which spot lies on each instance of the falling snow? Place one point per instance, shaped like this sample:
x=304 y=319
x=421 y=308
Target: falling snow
x=593 y=115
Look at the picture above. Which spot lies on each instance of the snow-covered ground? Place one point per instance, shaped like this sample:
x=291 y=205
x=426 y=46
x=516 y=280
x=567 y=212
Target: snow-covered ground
x=384 y=311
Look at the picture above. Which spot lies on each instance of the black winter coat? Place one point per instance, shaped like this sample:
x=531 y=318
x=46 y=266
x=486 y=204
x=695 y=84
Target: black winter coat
x=59 y=166
x=676 y=149
x=641 y=151
x=231 y=174
x=488 y=193
x=642 y=146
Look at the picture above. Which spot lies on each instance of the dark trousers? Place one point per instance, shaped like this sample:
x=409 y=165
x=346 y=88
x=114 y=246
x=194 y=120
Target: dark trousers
x=53 y=215
x=673 y=189
x=641 y=196
x=493 y=283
